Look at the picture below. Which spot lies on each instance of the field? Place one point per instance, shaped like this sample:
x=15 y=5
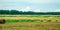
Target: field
x=45 y=22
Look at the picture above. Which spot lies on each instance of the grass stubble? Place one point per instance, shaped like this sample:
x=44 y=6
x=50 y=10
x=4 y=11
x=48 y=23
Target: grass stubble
x=44 y=25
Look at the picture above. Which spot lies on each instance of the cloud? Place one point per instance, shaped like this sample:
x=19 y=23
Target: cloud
x=39 y=10
x=26 y=9
x=31 y=5
x=57 y=10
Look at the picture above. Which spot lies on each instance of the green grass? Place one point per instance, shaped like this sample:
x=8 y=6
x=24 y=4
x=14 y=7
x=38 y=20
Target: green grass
x=10 y=20
x=22 y=20
x=36 y=21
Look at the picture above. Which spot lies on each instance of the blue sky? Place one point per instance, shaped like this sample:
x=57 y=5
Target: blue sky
x=31 y=5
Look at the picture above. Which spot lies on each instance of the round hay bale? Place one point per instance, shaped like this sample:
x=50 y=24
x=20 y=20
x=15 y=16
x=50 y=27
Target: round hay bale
x=2 y=21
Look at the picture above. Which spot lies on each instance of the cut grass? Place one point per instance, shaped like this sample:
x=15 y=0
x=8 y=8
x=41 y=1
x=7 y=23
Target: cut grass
x=30 y=22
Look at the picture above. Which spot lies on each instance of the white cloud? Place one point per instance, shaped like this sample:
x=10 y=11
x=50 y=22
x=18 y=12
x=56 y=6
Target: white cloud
x=19 y=4
x=57 y=10
x=40 y=10
x=37 y=10
x=26 y=9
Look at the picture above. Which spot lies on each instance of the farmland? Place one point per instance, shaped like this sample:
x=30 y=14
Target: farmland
x=45 y=22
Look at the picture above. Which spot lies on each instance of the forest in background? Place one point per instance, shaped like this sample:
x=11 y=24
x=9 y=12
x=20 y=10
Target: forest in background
x=28 y=12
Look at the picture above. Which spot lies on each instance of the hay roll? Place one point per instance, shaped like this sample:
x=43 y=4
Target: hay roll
x=2 y=21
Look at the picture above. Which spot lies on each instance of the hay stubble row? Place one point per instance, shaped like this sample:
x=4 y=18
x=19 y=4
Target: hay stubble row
x=31 y=25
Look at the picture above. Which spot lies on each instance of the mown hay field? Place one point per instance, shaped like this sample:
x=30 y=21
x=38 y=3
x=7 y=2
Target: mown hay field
x=48 y=22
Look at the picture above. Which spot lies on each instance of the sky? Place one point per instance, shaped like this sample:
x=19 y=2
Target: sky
x=31 y=5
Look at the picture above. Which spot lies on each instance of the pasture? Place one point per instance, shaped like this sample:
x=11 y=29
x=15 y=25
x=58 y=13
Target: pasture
x=40 y=22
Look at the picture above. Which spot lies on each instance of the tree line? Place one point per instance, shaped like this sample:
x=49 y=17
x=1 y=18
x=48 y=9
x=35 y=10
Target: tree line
x=29 y=12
